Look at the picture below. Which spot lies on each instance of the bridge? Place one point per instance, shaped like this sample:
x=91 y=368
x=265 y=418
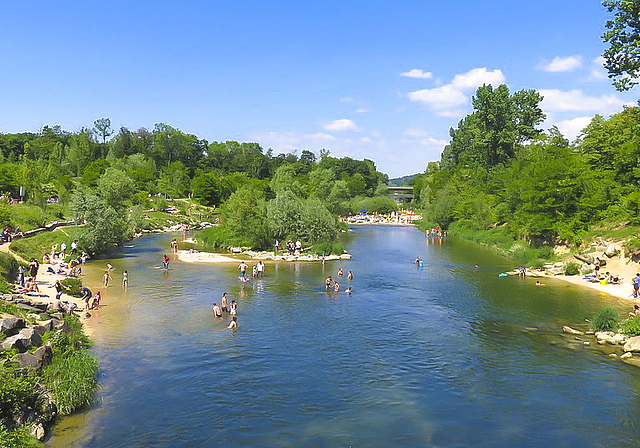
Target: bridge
x=400 y=194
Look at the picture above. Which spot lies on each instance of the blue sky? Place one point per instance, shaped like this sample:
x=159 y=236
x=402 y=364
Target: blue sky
x=365 y=79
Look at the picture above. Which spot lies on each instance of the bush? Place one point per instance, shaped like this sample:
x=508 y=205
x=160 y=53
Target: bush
x=74 y=286
x=8 y=267
x=605 y=320
x=328 y=247
x=16 y=392
x=631 y=327
x=17 y=438
x=571 y=268
x=72 y=380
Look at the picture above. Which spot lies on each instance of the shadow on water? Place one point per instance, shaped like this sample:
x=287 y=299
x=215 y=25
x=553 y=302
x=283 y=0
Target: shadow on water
x=446 y=355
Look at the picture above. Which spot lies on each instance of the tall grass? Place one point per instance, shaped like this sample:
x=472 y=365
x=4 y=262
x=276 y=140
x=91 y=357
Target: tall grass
x=72 y=380
x=606 y=319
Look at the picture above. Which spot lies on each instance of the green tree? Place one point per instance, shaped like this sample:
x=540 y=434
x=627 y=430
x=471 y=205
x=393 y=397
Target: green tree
x=284 y=215
x=104 y=226
x=622 y=57
x=115 y=187
x=244 y=213
x=102 y=127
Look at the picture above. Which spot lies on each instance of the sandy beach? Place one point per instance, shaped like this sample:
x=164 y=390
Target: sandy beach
x=204 y=257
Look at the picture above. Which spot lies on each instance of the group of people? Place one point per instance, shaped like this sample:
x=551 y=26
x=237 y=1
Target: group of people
x=331 y=284
x=291 y=247
x=257 y=270
x=228 y=308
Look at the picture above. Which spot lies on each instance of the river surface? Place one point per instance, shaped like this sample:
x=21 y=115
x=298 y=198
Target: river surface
x=445 y=356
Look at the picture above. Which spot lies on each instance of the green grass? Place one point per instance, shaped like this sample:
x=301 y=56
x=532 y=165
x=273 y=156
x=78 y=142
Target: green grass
x=72 y=380
x=631 y=327
x=328 y=247
x=29 y=217
x=219 y=237
x=40 y=244
x=606 y=319
x=10 y=308
x=74 y=286
x=8 y=267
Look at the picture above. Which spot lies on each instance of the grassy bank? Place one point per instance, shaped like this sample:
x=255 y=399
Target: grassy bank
x=70 y=378
x=39 y=244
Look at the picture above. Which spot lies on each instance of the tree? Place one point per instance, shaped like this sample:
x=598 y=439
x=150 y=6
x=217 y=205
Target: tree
x=104 y=227
x=284 y=215
x=102 y=127
x=114 y=187
x=244 y=213
x=622 y=57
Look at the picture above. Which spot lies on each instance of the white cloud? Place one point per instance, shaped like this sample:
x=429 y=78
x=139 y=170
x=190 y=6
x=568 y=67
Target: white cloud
x=572 y=128
x=447 y=98
x=597 y=72
x=361 y=111
x=417 y=73
x=576 y=101
x=417 y=133
x=560 y=64
x=365 y=140
x=346 y=99
x=343 y=124
x=430 y=141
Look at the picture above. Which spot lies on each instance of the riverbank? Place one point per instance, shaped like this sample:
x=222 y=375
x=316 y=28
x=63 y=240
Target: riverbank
x=190 y=256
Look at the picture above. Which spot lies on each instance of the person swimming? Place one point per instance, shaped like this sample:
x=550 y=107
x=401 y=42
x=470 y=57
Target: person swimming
x=233 y=325
x=349 y=275
x=348 y=290
x=216 y=310
x=340 y=272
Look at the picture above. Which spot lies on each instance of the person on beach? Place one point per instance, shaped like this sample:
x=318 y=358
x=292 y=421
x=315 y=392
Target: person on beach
x=216 y=310
x=522 y=271
x=636 y=285
x=74 y=247
x=63 y=250
x=327 y=282
x=234 y=308
x=233 y=324
x=33 y=268
x=243 y=269
x=21 y=275
x=596 y=267
x=349 y=275
x=165 y=261
x=86 y=296
x=56 y=305
x=340 y=272
x=125 y=279
x=635 y=312
x=223 y=302
x=59 y=289
x=105 y=279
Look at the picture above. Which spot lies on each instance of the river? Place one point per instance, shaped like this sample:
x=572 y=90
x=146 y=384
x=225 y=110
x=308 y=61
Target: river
x=447 y=355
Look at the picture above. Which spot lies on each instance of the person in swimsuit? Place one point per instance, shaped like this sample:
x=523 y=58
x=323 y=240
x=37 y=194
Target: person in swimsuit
x=224 y=303
x=105 y=279
x=243 y=268
x=336 y=287
x=216 y=310
x=340 y=272
x=635 y=312
x=348 y=290
x=349 y=275
x=125 y=279
x=234 y=308
x=327 y=282
x=233 y=324
x=86 y=296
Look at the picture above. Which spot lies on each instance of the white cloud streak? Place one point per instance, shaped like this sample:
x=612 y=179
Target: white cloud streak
x=417 y=73
x=561 y=64
x=576 y=101
x=341 y=125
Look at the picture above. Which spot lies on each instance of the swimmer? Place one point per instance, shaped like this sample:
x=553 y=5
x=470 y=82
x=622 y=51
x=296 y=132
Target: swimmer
x=327 y=282
x=538 y=283
x=234 y=308
x=340 y=272
x=418 y=260
x=224 y=303
x=233 y=324
x=349 y=275
x=348 y=290
x=216 y=310
x=105 y=279
x=336 y=287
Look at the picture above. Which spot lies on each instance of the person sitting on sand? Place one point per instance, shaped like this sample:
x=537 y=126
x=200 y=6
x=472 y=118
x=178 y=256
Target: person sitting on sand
x=216 y=310
x=635 y=312
x=233 y=324
x=46 y=259
x=31 y=285
x=56 y=305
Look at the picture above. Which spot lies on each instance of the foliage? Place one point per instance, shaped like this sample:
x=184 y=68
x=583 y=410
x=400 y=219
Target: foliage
x=104 y=228
x=16 y=391
x=605 y=320
x=8 y=267
x=622 y=57
x=328 y=248
x=222 y=237
x=631 y=327
x=17 y=438
x=572 y=268
x=74 y=286
x=72 y=380
x=37 y=245
x=10 y=308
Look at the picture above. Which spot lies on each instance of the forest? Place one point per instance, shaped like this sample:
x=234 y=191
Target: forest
x=111 y=180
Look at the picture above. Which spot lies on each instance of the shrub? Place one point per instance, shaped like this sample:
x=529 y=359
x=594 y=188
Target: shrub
x=605 y=320
x=16 y=392
x=74 y=286
x=631 y=327
x=72 y=380
x=17 y=438
x=328 y=247
x=571 y=268
x=8 y=267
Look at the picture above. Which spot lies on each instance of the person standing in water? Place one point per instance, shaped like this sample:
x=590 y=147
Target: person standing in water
x=125 y=279
x=233 y=324
x=349 y=275
x=340 y=272
x=105 y=279
x=165 y=261
x=216 y=310
x=234 y=308
x=223 y=302
x=243 y=269
x=260 y=267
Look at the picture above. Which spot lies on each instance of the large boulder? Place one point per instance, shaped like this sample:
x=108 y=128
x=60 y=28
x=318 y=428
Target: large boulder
x=9 y=324
x=612 y=250
x=570 y=330
x=43 y=327
x=33 y=337
x=610 y=338
x=632 y=345
x=27 y=361
x=18 y=342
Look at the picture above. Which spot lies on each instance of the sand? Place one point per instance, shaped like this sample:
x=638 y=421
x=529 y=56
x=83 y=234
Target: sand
x=204 y=257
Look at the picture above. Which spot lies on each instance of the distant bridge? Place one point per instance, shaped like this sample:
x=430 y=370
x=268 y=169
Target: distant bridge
x=400 y=194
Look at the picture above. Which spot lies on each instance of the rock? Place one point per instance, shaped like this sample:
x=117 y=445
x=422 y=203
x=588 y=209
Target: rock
x=33 y=337
x=9 y=324
x=632 y=345
x=612 y=250
x=555 y=271
x=559 y=264
x=587 y=343
x=611 y=338
x=61 y=325
x=18 y=342
x=601 y=342
x=589 y=332
x=44 y=354
x=38 y=431
x=27 y=361
x=345 y=257
x=570 y=330
x=626 y=356
x=613 y=355
x=40 y=329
